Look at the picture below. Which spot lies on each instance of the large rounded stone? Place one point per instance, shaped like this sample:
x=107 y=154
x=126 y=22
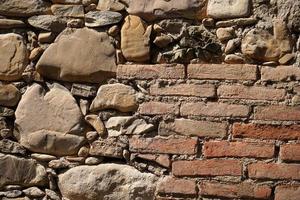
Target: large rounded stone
x=13 y=56
x=107 y=181
x=82 y=56
x=49 y=122
x=23 y=8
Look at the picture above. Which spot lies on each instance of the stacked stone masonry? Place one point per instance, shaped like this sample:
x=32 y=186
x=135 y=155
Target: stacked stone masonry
x=149 y=99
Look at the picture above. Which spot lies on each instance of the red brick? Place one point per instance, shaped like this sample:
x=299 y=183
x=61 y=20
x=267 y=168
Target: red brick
x=163 y=71
x=260 y=131
x=222 y=71
x=287 y=192
x=158 y=108
x=193 y=128
x=237 y=149
x=280 y=73
x=212 y=109
x=274 y=171
x=251 y=93
x=163 y=160
x=242 y=190
x=163 y=145
x=204 y=90
x=207 y=168
x=281 y=113
x=290 y=152
x=175 y=186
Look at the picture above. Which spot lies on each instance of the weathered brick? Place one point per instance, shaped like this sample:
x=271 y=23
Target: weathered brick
x=158 y=108
x=237 y=149
x=174 y=186
x=242 y=190
x=207 y=168
x=252 y=93
x=280 y=73
x=204 y=90
x=290 y=152
x=287 y=192
x=280 y=112
x=163 y=71
x=193 y=128
x=274 y=171
x=222 y=71
x=163 y=145
x=212 y=109
x=262 y=131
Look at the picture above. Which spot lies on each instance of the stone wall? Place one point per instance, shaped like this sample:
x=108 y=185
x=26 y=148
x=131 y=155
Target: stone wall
x=149 y=99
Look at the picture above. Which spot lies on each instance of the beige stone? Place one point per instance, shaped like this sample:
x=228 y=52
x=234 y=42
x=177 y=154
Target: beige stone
x=68 y=10
x=11 y=23
x=109 y=147
x=107 y=181
x=21 y=171
x=49 y=122
x=9 y=95
x=96 y=123
x=225 y=34
x=113 y=5
x=234 y=59
x=135 y=39
x=83 y=56
x=22 y=8
x=115 y=96
x=158 y=9
x=13 y=56
x=222 y=9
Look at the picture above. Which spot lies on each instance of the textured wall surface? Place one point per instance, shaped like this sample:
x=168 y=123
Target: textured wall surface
x=149 y=99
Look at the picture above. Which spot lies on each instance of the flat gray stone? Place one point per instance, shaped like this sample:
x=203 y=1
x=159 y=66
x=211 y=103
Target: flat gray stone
x=48 y=23
x=102 y=18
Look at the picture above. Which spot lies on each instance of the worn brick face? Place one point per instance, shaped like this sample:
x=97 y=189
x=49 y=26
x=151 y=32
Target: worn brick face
x=237 y=149
x=281 y=113
x=251 y=93
x=274 y=171
x=287 y=192
x=164 y=71
x=204 y=90
x=221 y=72
x=272 y=132
x=174 y=186
x=290 y=152
x=280 y=73
x=214 y=110
x=242 y=190
x=163 y=145
x=193 y=128
x=207 y=168
x=158 y=108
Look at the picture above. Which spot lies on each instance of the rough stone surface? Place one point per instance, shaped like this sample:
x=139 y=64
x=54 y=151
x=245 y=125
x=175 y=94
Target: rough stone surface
x=26 y=171
x=102 y=18
x=8 y=146
x=9 y=95
x=107 y=181
x=59 y=126
x=64 y=59
x=110 y=147
x=113 y=5
x=115 y=96
x=135 y=38
x=222 y=9
x=68 y=10
x=48 y=22
x=165 y=8
x=11 y=23
x=23 y=8
x=13 y=56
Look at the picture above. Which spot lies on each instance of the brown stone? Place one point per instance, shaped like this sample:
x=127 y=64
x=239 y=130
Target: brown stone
x=135 y=39
x=96 y=123
x=287 y=192
x=174 y=186
x=115 y=96
x=9 y=95
x=11 y=23
x=13 y=56
x=68 y=10
x=83 y=56
x=109 y=147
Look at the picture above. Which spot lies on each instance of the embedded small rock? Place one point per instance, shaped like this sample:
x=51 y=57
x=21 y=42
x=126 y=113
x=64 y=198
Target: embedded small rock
x=68 y=10
x=115 y=96
x=96 y=123
x=48 y=23
x=113 y=5
x=107 y=181
x=9 y=95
